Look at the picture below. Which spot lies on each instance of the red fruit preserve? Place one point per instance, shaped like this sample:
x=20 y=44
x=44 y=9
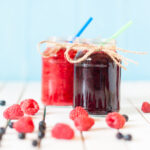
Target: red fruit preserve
x=97 y=84
x=57 y=79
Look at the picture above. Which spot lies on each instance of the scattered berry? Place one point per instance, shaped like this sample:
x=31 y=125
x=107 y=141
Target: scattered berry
x=21 y=135
x=78 y=111
x=24 y=125
x=29 y=106
x=126 y=117
x=84 y=123
x=41 y=135
x=119 y=135
x=115 y=120
x=62 y=131
x=2 y=130
x=145 y=107
x=42 y=128
x=13 y=112
x=128 y=137
x=34 y=142
x=42 y=125
x=10 y=124
x=2 y=102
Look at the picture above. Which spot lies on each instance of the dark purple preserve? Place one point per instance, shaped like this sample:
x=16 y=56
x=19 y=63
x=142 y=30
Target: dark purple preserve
x=97 y=84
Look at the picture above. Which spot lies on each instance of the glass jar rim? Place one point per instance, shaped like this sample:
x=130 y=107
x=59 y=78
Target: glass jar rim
x=96 y=41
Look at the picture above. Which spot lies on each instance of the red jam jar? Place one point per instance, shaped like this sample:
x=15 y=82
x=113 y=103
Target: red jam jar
x=57 y=78
x=97 y=84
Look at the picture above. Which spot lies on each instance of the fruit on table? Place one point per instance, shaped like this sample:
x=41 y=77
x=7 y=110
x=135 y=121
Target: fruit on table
x=24 y=125
x=84 y=123
x=78 y=111
x=145 y=107
x=115 y=120
x=62 y=131
x=13 y=112
x=29 y=106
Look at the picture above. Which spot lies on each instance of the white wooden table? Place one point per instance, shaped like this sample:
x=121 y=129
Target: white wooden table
x=100 y=137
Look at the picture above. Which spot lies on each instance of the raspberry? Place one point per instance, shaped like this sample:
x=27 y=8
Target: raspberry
x=78 y=111
x=62 y=131
x=145 y=107
x=24 y=125
x=13 y=112
x=29 y=106
x=115 y=120
x=84 y=123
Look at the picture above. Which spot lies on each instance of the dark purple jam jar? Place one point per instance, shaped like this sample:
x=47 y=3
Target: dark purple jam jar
x=97 y=84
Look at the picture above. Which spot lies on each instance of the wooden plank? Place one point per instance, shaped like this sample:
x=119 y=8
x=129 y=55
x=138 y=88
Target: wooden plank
x=54 y=115
x=138 y=126
x=138 y=89
x=99 y=137
x=102 y=137
x=57 y=115
x=11 y=136
x=136 y=96
x=11 y=93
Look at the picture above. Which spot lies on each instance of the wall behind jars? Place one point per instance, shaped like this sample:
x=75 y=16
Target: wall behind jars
x=23 y=23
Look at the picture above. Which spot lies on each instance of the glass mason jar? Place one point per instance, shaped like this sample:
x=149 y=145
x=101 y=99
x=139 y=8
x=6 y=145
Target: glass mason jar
x=57 y=79
x=97 y=84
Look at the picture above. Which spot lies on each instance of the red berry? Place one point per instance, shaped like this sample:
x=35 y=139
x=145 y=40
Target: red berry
x=84 y=123
x=29 y=106
x=145 y=107
x=115 y=120
x=13 y=112
x=62 y=131
x=24 y=125
x=78 y=111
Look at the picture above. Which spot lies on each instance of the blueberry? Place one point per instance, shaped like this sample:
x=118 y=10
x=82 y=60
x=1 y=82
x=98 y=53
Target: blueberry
x=2 y=102
x=42 y=126
x=126 y=117
x=21 y=135
x=34 y=142
x=10 y=124
x=2 y=130
x=119 y=135
x=128 y=137
x=41 y=135
x=42 y=123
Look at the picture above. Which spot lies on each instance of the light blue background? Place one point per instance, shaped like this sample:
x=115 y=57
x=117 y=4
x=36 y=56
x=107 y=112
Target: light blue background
x=23 y=23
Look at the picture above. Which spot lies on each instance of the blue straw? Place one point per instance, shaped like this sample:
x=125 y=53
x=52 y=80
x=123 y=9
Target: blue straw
x=82 y=29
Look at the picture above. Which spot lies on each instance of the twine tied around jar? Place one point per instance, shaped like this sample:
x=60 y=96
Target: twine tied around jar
x=110 y=50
